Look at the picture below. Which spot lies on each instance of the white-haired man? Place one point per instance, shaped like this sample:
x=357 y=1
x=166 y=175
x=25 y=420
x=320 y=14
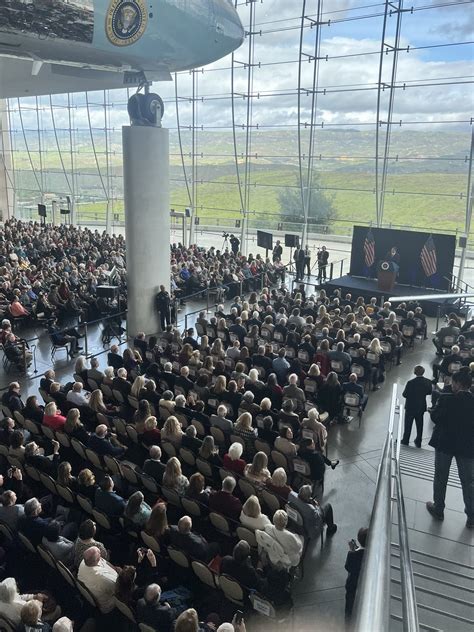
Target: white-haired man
x=155 y=613
x=153 y=466
x=220 y=420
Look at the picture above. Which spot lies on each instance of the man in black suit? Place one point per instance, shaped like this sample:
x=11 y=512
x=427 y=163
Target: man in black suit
x=154 y=613
x=153 y=466
x=114 y=358
x=107 y=500
x=415 y=393
x=163 y=303
x=453 y=437
x=353 y=565
x=299 y=256
x=190 y=440
x=323 y=258
x=353 y=387
x=183 y=380
x=239 y=330
x=191 y=543
x=239 y=567
x=121 y=384
x=34 y=455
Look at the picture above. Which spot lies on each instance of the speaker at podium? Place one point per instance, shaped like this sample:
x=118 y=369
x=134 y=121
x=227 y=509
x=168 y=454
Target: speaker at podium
x=386 y=275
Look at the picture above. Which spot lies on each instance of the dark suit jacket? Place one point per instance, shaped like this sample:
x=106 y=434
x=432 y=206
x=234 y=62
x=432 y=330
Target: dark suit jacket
x=415 y=393
x=155 y=469
x=454 y=419
x=110 y=503
x=353 y=565
x=115 y=360
x=156 y=615
x=122 y=385
x=44 y=464
x=191 y=443
x=226 y=504
x=192 y=543
x=103 y=446
x=244 y=572
x=34 y=528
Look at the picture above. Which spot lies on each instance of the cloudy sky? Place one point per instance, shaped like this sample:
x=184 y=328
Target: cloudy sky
x=434 y=69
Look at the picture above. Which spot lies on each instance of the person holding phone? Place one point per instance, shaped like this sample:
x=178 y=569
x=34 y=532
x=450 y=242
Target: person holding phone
x=353 y=565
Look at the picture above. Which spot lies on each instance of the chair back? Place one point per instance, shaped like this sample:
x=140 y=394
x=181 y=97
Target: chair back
x=107 y=391
x=6 y=532
x=85 y=504
x=294 y=515
x=301 y=467
x=280 y=460
x=171 y=496
x=66 y=573
x=232 y=590
x=263 y=446
x=65 y=493
x=352 y=400
x=150 y=541
x=204 y=468
x=132 y=433
x=149 y=483
x=186 y=456
x=220 y=523
x=262 y=605
x=94 y=458
x=218 y=434
x=204 y=573
x=87 y=595
x=48 y=432
x=358 y=369
x=201 y=431
x=63 y=439
x=102 y=519
x=93 y=386
x=79 y=447
x=112 y=465
x=271 y=501
x=48 y=482
x=26 y=542
x=32 y=427
x=143 y=627
x=247 y=488
x=248 y=535
x=191 y=507
x=168 y=448
x=46 y=555
x=129 y=472
x=19 y=417
x=117 y=395
x=6 y=625
x=125 y=610
x=133 y=401
x=179 y=557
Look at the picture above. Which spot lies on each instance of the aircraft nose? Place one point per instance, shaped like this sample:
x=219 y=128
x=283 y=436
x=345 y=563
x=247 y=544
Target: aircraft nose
x=228 y=25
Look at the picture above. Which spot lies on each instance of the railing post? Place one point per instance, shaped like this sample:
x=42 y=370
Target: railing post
x=331 y=271
x=86 y=342
x=186 y=322
x=207 y=299
x=23 y=351
x=342 y=267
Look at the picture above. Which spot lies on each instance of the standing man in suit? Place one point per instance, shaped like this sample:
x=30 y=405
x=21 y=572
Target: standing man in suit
x=353 y=565
x=163 y=306
x=298 y=256
x=415 y=393
x=453 y=437
x=307 y=260
x=323 y=258
x=277 y=252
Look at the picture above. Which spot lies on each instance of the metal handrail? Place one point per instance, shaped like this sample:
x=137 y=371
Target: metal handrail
x=374 y=594
x=373 y=603
x=409 y=607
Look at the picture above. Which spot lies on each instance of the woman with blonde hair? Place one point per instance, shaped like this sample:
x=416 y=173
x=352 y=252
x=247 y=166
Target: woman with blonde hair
x=257 y=471
x=138 y=387
x=376 y=358
x=52 y=417
x=174 y=478
x=172 y=431
x=243 y=428
x=220 y=386
x=65 y=476
x=209 y=452
x=195 y=360
x=278 y=484
x=251 y=515
x=204 y=348
x=217 y=350
x=80 y=368
x=86 y=484
x=312 y=425
x=74 y=427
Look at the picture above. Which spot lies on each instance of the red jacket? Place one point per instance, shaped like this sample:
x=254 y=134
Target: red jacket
x=56 y=422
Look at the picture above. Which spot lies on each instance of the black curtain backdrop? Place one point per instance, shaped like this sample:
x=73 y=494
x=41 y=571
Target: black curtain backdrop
x=409 y=245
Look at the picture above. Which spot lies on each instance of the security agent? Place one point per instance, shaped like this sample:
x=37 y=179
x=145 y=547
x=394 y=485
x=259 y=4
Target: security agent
x=234 y=244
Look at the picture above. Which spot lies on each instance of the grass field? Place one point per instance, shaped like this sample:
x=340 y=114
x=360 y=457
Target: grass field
x=421 y=193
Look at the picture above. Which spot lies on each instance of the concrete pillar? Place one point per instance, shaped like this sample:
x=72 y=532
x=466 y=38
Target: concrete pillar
x=147 y=222
x=6 y=175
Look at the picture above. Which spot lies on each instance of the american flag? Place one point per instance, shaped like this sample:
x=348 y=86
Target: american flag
x=369 y=249
x=428 y=257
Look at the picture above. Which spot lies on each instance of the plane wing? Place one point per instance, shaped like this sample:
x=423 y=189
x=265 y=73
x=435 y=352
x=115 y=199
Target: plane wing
x=31 y=77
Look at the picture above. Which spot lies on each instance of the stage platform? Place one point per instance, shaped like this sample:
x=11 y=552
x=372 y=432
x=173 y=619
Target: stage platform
x=362 y=286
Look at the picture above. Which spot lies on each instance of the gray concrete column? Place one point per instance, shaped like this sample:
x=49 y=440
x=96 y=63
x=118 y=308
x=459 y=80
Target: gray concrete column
x=147 y=222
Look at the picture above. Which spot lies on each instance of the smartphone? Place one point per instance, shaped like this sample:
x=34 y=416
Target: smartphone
x=238 y=616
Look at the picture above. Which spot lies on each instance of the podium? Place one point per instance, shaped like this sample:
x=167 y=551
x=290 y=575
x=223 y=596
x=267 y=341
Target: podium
x=386 y=275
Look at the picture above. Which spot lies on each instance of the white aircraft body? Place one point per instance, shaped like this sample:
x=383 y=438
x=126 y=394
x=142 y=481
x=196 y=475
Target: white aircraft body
x=58 y=46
